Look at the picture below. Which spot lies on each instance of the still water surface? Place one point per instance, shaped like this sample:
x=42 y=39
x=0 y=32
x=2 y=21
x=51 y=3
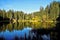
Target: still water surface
x=10 y=31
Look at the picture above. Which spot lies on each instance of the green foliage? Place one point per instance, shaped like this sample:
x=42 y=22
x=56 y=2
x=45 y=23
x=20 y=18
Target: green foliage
x=50 y=13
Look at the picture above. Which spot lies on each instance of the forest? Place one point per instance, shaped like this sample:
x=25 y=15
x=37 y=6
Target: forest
x=49 y=14
x=46 y=15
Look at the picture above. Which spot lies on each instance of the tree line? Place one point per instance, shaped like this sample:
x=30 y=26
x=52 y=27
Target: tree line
x=51 y=12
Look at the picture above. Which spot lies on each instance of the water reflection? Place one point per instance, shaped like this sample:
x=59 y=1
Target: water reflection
x=24 y=34
x=25 y=31
x=21 y=25
x=10 y=35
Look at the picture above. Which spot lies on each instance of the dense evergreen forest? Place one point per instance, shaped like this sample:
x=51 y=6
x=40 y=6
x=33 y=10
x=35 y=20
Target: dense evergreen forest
x=50 y=13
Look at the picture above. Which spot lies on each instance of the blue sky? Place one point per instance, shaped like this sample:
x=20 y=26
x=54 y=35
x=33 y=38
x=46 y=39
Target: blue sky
x=26 y=6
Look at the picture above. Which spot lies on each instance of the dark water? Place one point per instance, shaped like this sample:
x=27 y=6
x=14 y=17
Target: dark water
x=25 y=31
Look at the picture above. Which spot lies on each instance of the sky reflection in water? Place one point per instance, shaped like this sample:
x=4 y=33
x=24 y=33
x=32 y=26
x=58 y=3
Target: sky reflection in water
x=20 y=33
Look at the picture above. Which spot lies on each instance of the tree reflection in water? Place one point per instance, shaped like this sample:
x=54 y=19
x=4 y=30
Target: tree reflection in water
x=36 y=33
x=25 y=34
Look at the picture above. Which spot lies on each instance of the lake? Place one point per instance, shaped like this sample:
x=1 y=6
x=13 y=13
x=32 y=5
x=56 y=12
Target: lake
x=26 y=31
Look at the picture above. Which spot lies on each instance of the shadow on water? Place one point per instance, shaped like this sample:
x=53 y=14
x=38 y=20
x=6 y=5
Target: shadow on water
x=2 y=38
